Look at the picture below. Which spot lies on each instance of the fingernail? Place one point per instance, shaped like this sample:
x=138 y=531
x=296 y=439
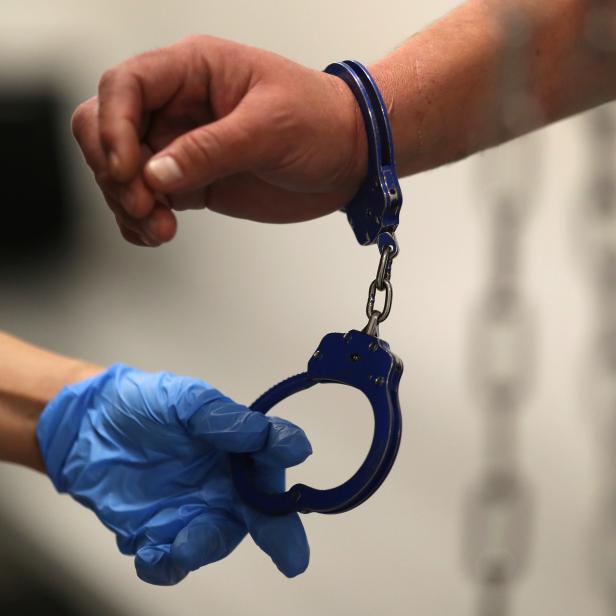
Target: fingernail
x=165 y=169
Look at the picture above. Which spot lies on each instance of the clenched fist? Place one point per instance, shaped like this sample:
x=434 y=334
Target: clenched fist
x=211 y=123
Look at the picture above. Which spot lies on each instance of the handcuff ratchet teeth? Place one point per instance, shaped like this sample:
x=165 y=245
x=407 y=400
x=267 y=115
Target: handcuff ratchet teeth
x=358 y=359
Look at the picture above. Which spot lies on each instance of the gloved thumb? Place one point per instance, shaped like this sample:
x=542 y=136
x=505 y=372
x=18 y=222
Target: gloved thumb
x=234 y=144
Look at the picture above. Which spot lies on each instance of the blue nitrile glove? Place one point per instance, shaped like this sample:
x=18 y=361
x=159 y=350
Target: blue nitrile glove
x=148 y=453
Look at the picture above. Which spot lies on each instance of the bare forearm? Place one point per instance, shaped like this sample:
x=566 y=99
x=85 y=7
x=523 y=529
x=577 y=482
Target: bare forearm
x=29 y=378
x=493 y=70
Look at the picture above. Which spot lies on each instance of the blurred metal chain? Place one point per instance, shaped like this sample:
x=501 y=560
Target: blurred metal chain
x=497 y=530
x=497 y=527
x=597 y=232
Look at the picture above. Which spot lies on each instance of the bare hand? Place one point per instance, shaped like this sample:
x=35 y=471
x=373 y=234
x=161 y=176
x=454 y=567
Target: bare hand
x=211 y=123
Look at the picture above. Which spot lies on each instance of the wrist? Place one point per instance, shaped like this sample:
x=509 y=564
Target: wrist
x=29 y=379
x=46 y=386
x=20 y=413
x=351 y=121
x=18 y=420
x=80 y=371
x=400 y=90
x=36 y=374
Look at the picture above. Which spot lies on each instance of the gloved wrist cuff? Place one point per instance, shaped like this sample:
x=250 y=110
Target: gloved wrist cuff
x=61 y=419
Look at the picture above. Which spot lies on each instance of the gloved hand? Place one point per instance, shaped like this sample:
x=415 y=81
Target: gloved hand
x=148 y=453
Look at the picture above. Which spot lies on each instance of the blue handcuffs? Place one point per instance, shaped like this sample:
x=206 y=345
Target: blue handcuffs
x=358 y=359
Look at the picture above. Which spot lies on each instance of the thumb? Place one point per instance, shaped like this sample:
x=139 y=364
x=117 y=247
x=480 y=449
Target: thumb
x=234 y=144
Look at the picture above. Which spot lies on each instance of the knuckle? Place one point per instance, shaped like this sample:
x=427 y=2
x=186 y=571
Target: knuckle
x=201 y=146
x=81 y=117
x=106 y=134
x=193 y=40
x=107 y=79
x=133 y=65
x=78 y=121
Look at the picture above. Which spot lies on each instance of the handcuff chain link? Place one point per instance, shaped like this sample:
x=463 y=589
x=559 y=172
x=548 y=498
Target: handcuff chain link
x=381 y=283
x=383 y=274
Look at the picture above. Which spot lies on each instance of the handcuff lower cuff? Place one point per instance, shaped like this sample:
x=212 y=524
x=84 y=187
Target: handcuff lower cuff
x=358 y=359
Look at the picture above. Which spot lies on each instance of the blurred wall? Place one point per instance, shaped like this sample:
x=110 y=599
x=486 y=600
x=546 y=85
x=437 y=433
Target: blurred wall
x=244 y=305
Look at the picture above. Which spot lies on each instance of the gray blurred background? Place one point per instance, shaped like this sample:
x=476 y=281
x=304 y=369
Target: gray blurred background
x=503 y=497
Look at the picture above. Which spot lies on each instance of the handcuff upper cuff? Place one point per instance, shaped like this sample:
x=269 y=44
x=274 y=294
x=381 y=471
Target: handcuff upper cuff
x=358 y=359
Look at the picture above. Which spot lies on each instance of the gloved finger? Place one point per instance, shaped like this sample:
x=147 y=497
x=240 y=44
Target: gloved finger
x=286 y=445
x=154 y=561
x=209 y=537
x=228 y=426
x=164 y=526
x=283 y=538
x=155 y=565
